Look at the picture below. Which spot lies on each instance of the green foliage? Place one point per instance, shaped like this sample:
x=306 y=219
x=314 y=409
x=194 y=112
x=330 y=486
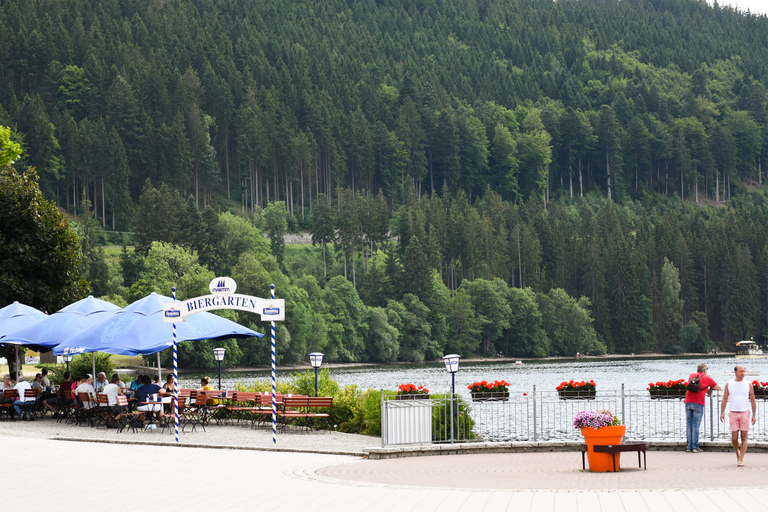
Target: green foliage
x=9 y=150
x=441 y=418
x=83 y=363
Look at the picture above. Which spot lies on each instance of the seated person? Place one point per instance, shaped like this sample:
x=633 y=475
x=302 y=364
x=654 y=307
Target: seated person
x=206 y=386
x=101 y=381
x=6 y=385
x=46 y=382
x=112 y=391
x=144 y=395
x=22 y=401
x=86 y=386
x=61 y=398
x=136 y=383
x=120 y=383
x=38 y=384
x=168 y=386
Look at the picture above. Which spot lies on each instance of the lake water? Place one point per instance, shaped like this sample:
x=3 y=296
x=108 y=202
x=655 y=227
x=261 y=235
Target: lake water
x=608 y=373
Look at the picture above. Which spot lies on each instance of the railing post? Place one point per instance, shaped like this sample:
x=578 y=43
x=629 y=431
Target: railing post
x=383 y=420
x=534 y=413
x=623 y=419
x=711 y=418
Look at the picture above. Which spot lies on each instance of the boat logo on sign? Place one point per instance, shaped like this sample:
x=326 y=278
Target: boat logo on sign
x=222 y=286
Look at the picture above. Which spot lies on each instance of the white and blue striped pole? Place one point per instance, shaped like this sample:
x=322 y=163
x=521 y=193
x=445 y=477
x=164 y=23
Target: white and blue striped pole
x=274 y=380
x=175 y=374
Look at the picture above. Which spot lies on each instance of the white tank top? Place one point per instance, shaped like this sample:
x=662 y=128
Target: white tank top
x=738 y=394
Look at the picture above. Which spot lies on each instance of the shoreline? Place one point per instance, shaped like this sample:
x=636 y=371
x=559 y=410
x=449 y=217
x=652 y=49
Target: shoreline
x=301 y=367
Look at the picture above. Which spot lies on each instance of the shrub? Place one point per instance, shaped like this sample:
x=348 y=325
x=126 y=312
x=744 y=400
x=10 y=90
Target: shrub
x=82 y=364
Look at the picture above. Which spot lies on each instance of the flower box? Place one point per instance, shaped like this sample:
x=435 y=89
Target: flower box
x=490 y=396
x=666 y=394
x=411 y=397
x=761 y=391
x=577 y=390
x=582 y=394
x=411 y=392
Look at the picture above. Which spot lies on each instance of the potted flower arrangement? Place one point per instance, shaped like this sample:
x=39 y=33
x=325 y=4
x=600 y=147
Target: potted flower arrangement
x=411 y=392
x=761 y=389
x=577 y=390
x=484 y=391
x=600 y=428
x=665 y=390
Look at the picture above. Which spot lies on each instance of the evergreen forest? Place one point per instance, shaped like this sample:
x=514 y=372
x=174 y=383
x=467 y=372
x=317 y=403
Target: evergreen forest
x=478 y=176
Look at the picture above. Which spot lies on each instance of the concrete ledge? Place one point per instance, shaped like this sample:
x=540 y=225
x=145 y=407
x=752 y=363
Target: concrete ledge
x=393 y=452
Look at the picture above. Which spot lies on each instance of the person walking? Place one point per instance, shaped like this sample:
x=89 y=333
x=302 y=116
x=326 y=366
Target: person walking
x=742 y=394
x=694 y=406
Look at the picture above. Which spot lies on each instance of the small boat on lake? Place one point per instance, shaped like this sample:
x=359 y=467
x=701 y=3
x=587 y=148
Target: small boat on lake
x=748 y=349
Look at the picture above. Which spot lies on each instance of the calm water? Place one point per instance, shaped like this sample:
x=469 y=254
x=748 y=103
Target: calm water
x=609 y=374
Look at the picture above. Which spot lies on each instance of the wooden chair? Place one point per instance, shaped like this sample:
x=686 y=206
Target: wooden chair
x=169 y=420
x=30 y=401
x=103 y=413
x=196 y=414
x=127 y=417
x=86 y=411
x=6 y=407
x=263 y=410
x=67 y=405
x=243 y=405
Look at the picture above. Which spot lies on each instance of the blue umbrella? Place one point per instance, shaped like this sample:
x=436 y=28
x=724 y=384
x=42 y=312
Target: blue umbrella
x=62 y=325
x=139 y=329
x=18 y=316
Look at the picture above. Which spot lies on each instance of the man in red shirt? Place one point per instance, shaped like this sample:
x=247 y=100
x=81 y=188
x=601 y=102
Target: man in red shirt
x=694 y=407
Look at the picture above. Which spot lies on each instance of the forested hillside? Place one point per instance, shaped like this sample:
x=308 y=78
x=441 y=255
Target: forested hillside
x=543 y=152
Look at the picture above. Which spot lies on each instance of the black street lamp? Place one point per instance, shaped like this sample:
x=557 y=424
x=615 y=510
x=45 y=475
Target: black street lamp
x=452 y=365
x=67 y=359
x=316 y=360
x=218 y=354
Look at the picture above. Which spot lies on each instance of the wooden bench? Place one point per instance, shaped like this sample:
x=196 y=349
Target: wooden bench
x=305 y=409
x=613 y=449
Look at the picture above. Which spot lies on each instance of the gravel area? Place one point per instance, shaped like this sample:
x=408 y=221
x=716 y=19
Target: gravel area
x=215 y=436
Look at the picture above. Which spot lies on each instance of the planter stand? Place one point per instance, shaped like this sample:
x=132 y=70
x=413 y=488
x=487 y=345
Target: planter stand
x=603 y=462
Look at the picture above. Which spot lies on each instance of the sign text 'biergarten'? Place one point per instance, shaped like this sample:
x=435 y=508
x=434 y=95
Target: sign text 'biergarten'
x=223 y=297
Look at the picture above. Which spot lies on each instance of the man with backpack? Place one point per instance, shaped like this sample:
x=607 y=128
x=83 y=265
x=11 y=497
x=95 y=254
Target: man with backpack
x=699 y=384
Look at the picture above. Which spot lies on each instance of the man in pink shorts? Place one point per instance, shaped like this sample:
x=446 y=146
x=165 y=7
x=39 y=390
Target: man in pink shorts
x=741 y=394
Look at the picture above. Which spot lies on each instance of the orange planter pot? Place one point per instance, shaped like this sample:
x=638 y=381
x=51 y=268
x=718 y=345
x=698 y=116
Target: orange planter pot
x=602 y=462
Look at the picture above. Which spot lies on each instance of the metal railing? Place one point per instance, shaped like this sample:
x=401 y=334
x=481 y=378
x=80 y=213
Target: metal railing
x=544 y=416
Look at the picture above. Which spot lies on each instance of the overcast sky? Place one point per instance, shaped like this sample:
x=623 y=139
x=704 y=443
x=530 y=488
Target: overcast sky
x=754 y=6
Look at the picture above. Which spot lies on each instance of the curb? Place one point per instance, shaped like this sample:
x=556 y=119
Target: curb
x=394 y=452
x=211 y=446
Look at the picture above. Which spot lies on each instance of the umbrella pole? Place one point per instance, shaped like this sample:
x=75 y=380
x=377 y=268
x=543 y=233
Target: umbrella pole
x=175 y=375
x=93 y=365
x=159 y=370
x=18 y=368
x=274 y=379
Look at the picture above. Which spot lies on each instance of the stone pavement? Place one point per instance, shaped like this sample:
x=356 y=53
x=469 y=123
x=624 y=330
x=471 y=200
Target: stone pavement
x=67 y=475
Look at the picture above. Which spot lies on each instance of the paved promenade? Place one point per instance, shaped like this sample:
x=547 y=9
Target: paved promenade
x=189 y=478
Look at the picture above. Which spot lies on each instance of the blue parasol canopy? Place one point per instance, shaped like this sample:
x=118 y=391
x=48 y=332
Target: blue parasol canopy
x=18 y=316
x=62 y=325
x=139 y=329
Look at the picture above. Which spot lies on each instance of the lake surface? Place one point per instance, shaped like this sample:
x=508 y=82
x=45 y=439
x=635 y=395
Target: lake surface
x=608 y=373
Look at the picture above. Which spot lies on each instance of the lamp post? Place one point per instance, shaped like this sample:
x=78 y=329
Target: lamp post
x=452 y=365
x=316 y=359
x=67 y=359
x=218 y=354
